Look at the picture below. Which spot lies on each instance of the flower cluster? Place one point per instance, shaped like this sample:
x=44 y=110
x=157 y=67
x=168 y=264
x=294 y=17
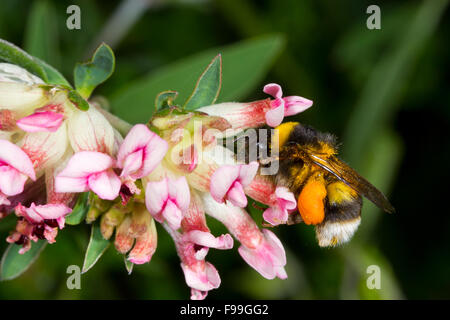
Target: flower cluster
x=173 y=170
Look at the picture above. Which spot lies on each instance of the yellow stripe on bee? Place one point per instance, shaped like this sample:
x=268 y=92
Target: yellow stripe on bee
x=339 y=192
x=284 y=131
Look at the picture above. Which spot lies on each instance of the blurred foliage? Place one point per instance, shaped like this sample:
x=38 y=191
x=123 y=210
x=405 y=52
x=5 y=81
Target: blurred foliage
x=385 y=92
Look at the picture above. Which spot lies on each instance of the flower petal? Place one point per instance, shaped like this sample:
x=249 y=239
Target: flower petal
x=41 y=121
x=156 y=194
x=275 y=215
x=15 y=157
x=247 y=173
x=295 y=104
x=236 y=195
x=222 y=180
x=12 y=181
x=84 y=163
x=45 y=149
x=275 y=116
x=206 y=239
x=153 y=149
x=105 y=184
x=90 y=131
x=172 y=214
x=202 y=279
x=274 y=90
x=179 y=190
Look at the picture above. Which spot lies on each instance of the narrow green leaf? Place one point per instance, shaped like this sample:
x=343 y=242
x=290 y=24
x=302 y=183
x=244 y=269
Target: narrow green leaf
x=208 y=86
x=89 y=75
x=13 y=54
x=53 y=75
x=165 y=99
x=41 y=33
x=14 y=264
x=244 y=65
x=78 y=100
x=128 y=265
x=79 y=211
x=96 y=247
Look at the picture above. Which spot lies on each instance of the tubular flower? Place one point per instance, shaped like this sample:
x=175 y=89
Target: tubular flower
x=258 y=113
x=174 y=170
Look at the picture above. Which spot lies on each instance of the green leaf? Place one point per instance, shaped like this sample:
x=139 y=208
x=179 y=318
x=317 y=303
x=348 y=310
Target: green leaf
x=208 y=86
x=78 y=100
x=165 y=99
x=13 y=54
x=92 y=73
x=53 y=75
x=128 y=265
x=96 y=247
x=79 y=211
x=244 y=66
x=41 y=34
x=14 y=264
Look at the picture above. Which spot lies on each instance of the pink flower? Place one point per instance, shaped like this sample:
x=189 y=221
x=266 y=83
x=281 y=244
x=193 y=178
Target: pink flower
x=41 y=121
x=200 y=275
x=141 y=151
x=90 y=131
x=38 y=214
x=281 y=107
x=196 y=231
x=89 y=170
x=285 y=203
x=138 y=227
x=268 y=257
x=37 y=222
x=258 y=113
x=15 y=169
x=167 y=199
x=261 y=250
x=45 y=149
x=228 y=183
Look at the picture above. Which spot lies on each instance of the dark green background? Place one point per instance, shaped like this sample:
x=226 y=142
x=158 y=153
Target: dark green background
x=384 y=92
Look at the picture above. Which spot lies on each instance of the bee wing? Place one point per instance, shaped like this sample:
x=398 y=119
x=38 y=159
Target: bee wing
x=349 y=176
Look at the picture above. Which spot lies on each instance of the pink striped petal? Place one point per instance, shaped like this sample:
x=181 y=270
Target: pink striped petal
x=16 y=158
x=269 y=258
x=236 y=195
x=37 y=214
x=105 y=184
x=179 y=191
x=221 y=181
x=248 y=172
x=296 y=104
x=202 y=279
x=132 y=163
x=206 y=239
x=275 y=216
x=274 y=90
x=156 y=194
x=286 y=198
x=285 y=202
x=146 y=144
x=172 y=214
x=275 y=116
x=41 y=121
x=12 y=181
x=84 y=163
x=228 y=182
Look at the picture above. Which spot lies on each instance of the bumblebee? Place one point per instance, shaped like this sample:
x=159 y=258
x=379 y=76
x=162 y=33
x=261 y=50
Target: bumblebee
x=328 y=191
